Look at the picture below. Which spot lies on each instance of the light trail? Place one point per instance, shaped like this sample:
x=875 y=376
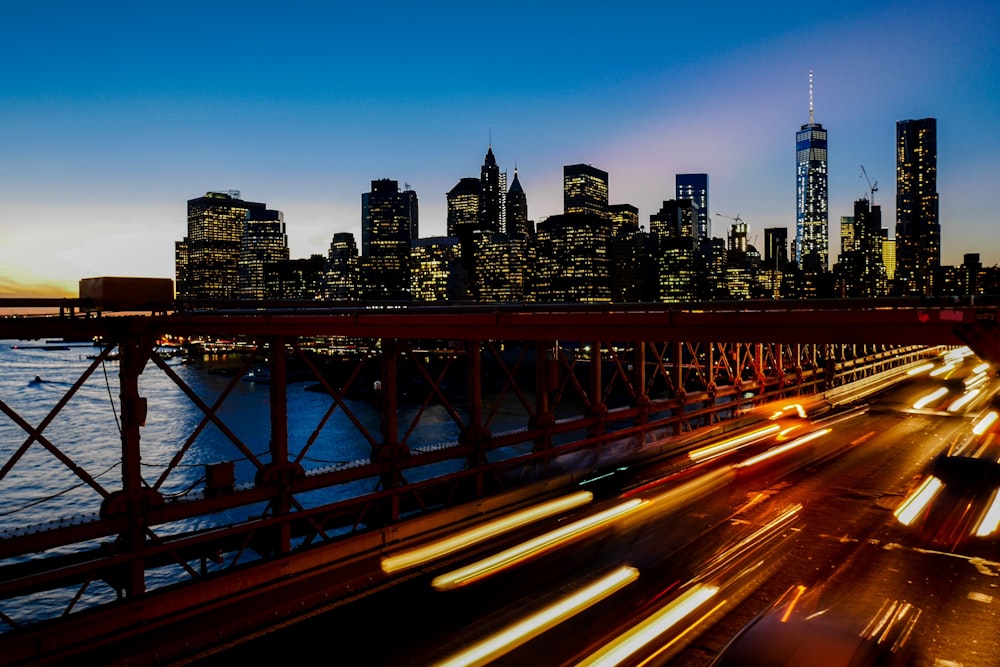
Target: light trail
x=918 y=500
x=930 y=398
x=530 y=627
x=423 y=554
x=777 y=451
x=732 y=444
x=533 y=547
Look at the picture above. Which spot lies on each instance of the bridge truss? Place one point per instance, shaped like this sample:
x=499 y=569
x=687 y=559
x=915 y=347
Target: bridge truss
x=581 y=386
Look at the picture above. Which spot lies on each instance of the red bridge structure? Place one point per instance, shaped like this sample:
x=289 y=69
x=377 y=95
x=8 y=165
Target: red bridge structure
x=136 y=573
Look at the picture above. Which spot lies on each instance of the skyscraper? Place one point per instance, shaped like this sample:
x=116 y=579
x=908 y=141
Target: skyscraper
x=207 y=260
x=695 y=188
x=812 y=235
x=343 y=272
x=918 y=229
x=585 y=190
x=516 y=224
x=492 y=194
x=263 y=244
x=389 y=223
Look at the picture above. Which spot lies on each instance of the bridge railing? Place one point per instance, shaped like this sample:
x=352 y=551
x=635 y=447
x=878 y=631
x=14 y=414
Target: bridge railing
x=482 y=406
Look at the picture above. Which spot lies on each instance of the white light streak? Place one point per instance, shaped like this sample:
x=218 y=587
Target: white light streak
x=930 y=398
x=918 y=500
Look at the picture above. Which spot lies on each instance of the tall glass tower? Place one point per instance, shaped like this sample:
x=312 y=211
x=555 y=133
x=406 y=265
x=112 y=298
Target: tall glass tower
x=812 y=225
x=695 y=188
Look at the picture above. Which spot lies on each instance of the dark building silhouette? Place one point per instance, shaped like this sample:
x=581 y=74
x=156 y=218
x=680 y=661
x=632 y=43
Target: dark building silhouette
x=297 y=279
x=517 y=225
x=389 y=223
x=918 y=229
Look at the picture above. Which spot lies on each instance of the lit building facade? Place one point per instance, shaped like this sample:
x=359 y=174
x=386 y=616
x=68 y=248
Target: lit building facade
x=585 y=190
x=436 y=272
x=207 y=259
x=263 y=243
x=695 y=188
x=389 y=223
x=918 y=228
x=343 y=268
x=572 y=263
x=812 y=235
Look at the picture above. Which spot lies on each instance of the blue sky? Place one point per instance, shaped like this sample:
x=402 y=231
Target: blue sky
x=113 y=115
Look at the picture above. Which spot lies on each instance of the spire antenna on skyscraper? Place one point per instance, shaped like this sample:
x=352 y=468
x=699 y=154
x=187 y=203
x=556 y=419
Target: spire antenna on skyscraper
x=811 y=121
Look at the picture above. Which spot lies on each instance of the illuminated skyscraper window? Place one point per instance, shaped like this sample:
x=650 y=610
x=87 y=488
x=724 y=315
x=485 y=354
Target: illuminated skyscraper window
x=695 y=188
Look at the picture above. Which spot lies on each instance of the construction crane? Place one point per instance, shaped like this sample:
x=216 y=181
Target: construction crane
x=872 y=187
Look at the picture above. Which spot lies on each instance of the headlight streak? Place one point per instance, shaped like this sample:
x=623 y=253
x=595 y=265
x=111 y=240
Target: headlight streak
x=777 y=451
x=920 y=369
x=533 y=547
x=530 y=627
x=942 y=370
x=991 y=520
x=619 y=649
x=758 y=538
x=799 y=590
x=984 y=424
x=930 y=398
x=976 y=380
x=981 y=368
x=918 y=500
x=962 y=400
x=732 y=444
x=423 y=554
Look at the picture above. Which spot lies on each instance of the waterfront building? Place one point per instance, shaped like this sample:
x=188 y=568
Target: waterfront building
x=695 y=188
x=207 y=259
x=585 y=190
x=389 y=223
x=343 y=268
x=263 y=243
x=918 y=228
x=812 y=243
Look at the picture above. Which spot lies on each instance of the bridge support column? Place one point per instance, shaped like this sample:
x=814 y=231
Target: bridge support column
x=390 y=451
x=135 y=498
x=475 y=434
x=546 y=373
x=596 y=407
x=280 y=473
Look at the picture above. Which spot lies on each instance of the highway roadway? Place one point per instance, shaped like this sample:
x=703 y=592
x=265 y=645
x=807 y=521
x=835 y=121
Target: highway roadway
x=811 y=539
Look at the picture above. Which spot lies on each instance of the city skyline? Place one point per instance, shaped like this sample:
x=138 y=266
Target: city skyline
x=102 y=151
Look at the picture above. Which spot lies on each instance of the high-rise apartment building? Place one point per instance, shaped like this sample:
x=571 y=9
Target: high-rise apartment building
x=695 y=188
x=812 y=240
x=918 y=229
x=263 y=244
x=207 y=259
x=389 y=223
x=673 y=241
x=585 y=190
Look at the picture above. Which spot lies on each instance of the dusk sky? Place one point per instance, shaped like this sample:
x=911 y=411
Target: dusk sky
x=113 y=115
